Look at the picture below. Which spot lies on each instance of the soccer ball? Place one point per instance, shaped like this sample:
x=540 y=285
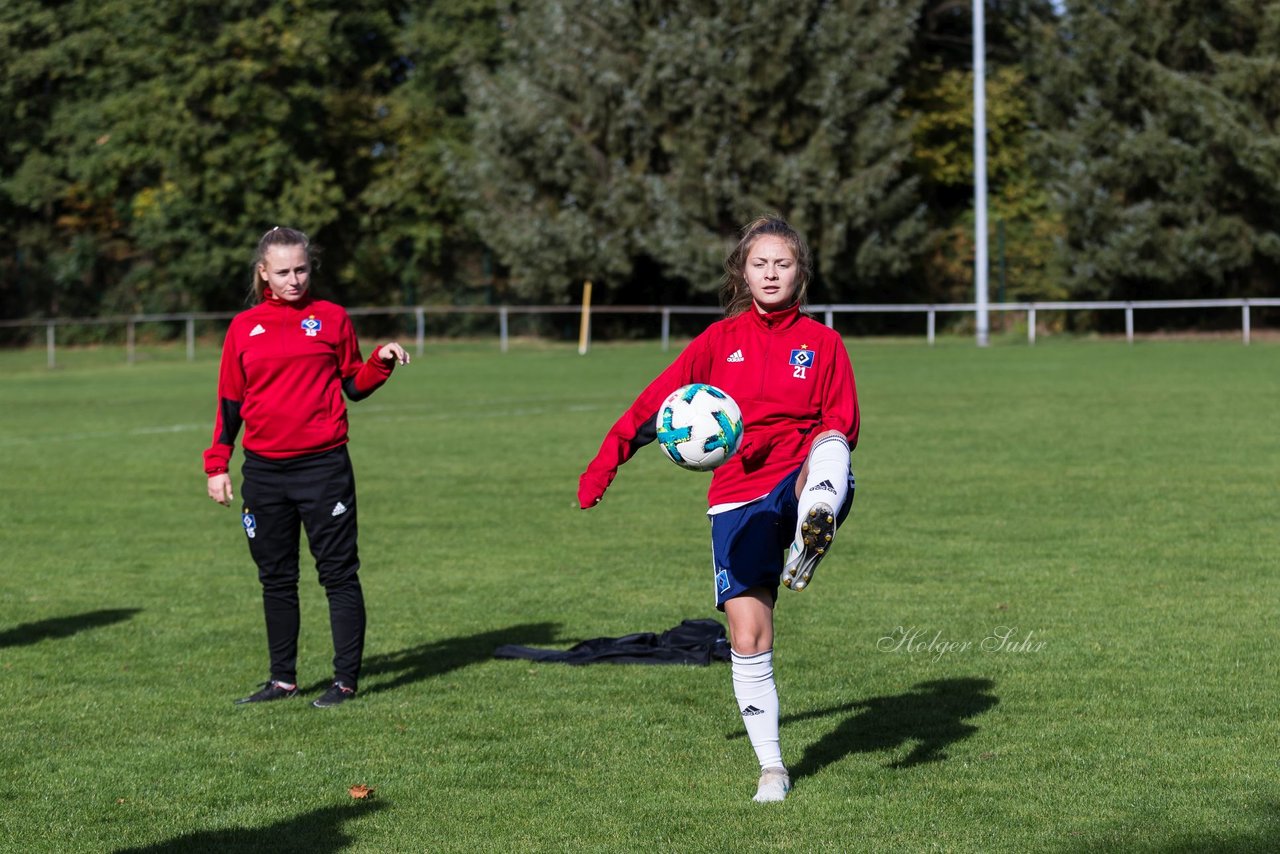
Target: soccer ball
x=699 y=427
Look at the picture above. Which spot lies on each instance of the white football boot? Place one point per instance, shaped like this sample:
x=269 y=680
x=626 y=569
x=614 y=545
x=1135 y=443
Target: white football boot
x=816 y=534
x=774 y=785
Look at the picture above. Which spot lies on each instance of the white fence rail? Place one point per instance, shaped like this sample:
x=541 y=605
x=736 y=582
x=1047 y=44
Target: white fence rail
x=503 y=315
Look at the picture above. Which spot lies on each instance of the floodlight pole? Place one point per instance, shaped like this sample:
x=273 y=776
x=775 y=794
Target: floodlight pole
x=981 y=320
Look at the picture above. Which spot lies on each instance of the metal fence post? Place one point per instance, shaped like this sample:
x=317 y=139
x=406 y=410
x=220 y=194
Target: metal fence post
x=130 y=334
x=191 y=339
x=666 y=328
x=1031 y=325
x=50 y=346
x=1128 y=322
x=504 y=329
x=1244 y=321
x=932 y=324
x=421 y=333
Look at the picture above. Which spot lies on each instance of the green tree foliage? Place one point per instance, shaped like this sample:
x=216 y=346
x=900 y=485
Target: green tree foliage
x=148 y=144
x=1160 y=133
x=33 y=77
x=177 y=132
x=1019 y=205
x=412 y=217
x=624 y=141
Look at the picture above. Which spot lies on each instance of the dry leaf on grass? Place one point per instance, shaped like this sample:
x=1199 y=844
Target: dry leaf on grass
x=360 y=791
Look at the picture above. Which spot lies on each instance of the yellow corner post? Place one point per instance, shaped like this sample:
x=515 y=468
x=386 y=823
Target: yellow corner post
x=584 y=329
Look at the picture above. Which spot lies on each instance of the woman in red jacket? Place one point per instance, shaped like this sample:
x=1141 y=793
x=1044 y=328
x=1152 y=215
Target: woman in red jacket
x=286 y=363
x=775 y=505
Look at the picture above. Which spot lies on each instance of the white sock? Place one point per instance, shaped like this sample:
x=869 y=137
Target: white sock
x=828 y=480
x=757 y=696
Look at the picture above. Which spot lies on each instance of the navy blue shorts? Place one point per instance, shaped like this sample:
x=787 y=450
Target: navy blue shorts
x=748 y=543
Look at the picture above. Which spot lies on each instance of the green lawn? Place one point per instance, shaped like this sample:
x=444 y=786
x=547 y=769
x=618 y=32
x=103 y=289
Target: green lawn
x=1111 y=511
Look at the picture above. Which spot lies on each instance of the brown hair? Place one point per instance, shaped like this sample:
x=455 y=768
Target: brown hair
x=735 y=294
x=275 y=237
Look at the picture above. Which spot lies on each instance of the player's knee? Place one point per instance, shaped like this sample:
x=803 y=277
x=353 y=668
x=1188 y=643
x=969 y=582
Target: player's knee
x=750 y=636
x=751 y=645
x=339 y=575
x=278 y=576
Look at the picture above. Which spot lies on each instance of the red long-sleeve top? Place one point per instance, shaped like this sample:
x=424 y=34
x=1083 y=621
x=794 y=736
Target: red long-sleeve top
x=285 y=367
x=789 y=374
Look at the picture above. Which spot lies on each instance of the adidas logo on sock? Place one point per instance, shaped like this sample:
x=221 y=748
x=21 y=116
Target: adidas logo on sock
x=339 y=509
x=825 y=486
x=751 y=711
x=735 y=356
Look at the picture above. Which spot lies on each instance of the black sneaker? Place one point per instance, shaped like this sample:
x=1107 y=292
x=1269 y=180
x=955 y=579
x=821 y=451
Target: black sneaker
x=339 y=692
x=272 y=690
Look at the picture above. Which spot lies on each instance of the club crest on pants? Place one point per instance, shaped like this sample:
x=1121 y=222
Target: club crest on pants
x=250 y=524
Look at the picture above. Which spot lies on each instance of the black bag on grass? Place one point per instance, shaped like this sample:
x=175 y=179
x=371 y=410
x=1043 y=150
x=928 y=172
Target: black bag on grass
x=697 y=642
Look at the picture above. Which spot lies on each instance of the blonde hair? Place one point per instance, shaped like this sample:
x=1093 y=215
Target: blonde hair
x=735 y=294
x=275 y=237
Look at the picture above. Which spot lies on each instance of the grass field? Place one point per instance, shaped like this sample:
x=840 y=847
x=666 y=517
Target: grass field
x=1110 y=511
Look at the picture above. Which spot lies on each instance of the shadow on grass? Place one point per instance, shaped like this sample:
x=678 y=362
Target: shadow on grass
x=932 y=716
x=1233 y=840
x=439 y=657
x=316 y=831
x=63 y=627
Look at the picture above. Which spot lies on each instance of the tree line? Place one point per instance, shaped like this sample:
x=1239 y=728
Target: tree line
x=482 y=151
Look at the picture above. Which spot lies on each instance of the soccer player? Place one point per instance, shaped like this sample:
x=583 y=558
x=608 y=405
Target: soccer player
x=776 y=504
x=286 y=362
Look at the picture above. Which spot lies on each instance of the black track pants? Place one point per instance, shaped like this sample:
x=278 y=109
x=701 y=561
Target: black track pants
x=318 y=493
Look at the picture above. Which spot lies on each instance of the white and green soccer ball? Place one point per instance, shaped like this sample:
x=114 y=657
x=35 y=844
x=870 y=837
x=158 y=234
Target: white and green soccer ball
x=699 y=427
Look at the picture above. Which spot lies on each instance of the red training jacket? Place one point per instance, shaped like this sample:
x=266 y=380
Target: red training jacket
x=285 y=367
x=789 y=374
